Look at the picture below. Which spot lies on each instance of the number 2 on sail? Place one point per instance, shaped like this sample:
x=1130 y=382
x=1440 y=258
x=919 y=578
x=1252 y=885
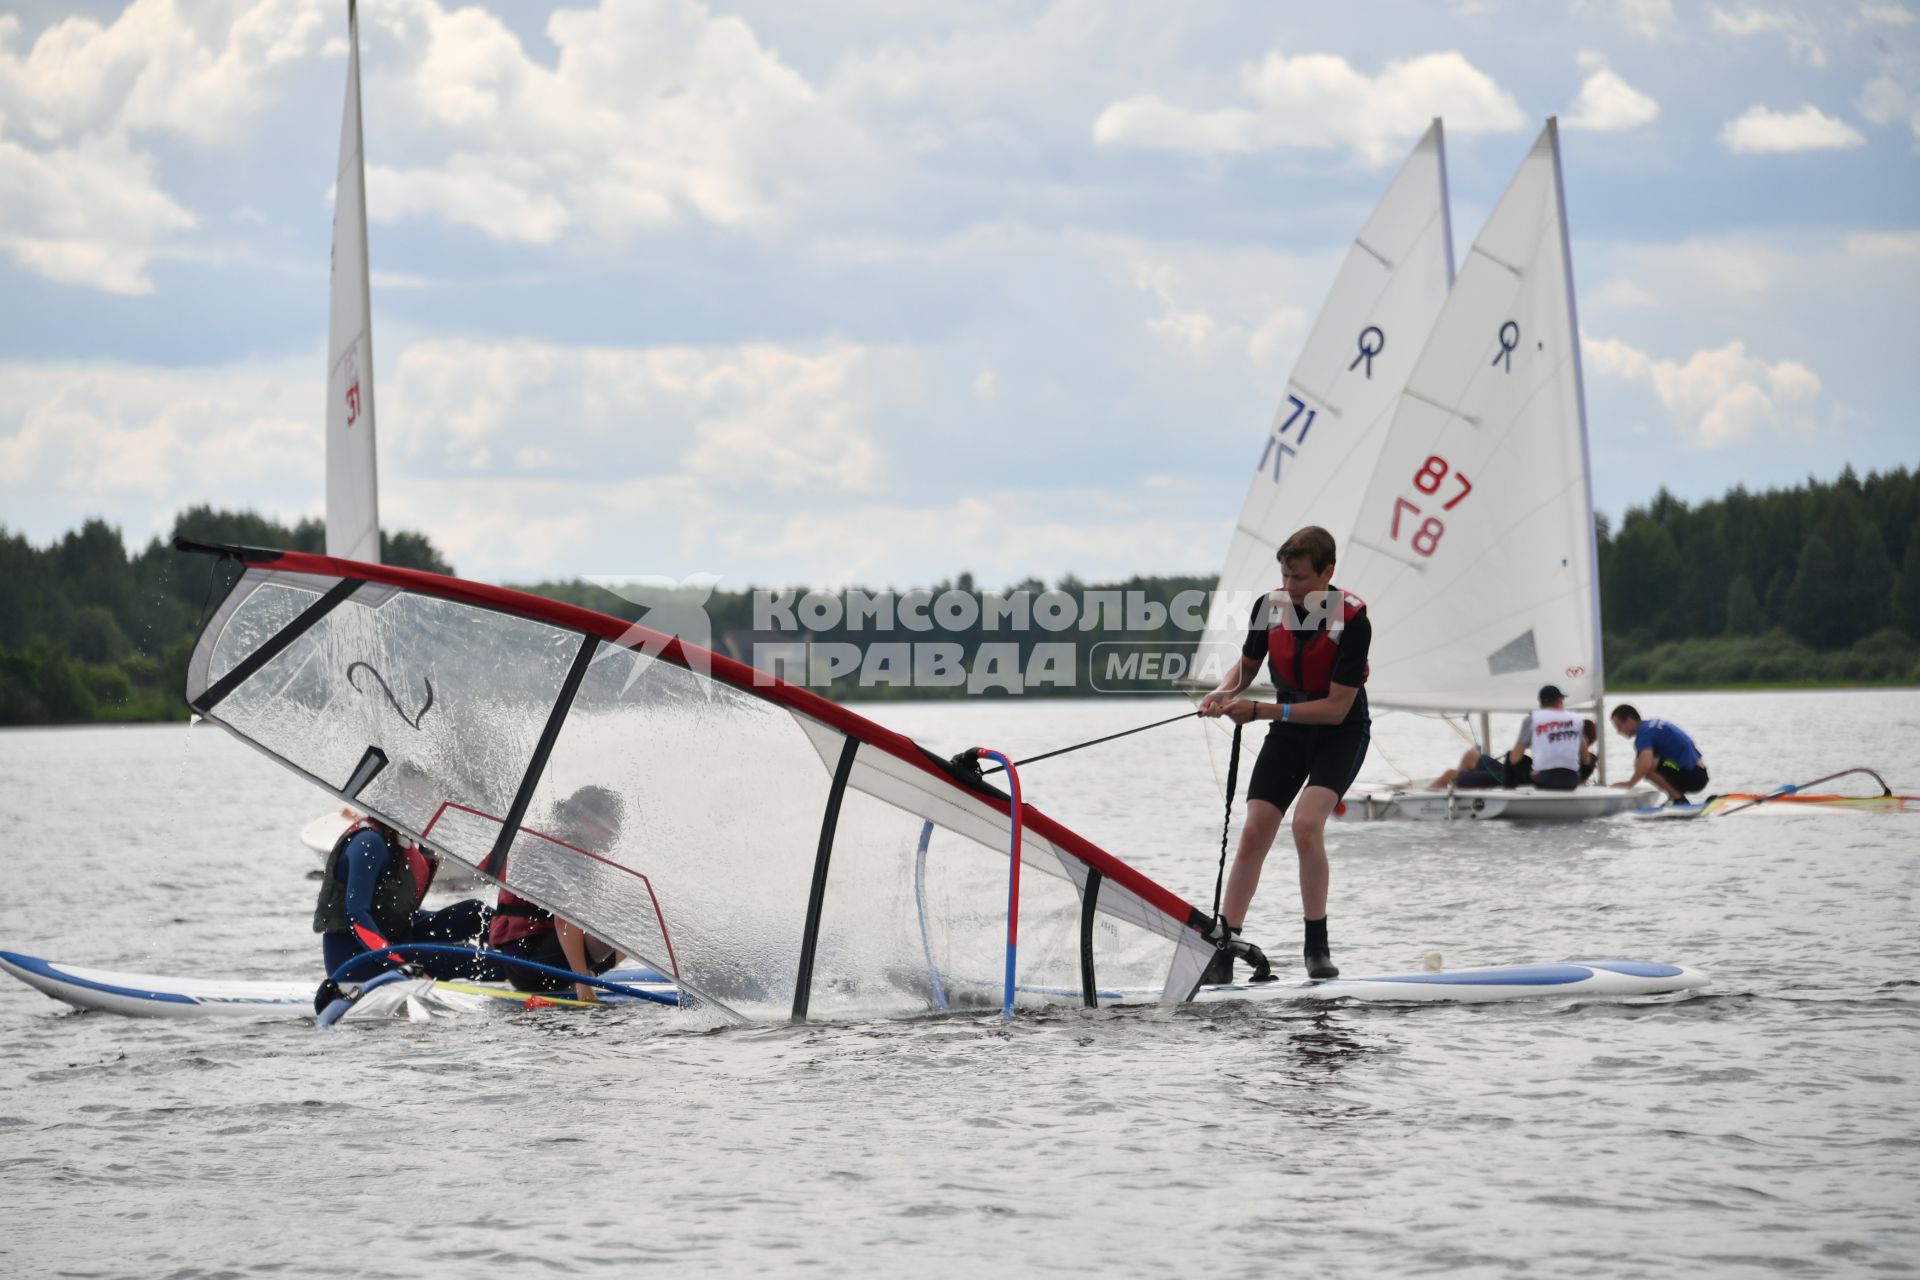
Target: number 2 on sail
x=1432 y=474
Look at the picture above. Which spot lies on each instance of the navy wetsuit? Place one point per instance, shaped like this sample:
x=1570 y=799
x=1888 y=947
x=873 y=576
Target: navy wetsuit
x=364 y=861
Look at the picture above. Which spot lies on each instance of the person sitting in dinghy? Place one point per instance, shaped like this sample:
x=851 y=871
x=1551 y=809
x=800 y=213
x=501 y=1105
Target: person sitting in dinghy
x=1548 y=754
x=588 y=820
x=370 y=894
x=1663 y=753
x=1314 y=638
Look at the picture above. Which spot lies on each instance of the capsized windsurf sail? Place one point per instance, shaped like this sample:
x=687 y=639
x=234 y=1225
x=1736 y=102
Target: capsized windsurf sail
x=746 y=836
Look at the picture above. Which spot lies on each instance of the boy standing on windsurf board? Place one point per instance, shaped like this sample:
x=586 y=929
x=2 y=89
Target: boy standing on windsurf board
x=1314 y=637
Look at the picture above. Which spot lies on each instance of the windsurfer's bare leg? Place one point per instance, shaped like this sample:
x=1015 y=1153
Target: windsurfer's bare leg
x=573 y=944
x=1673 y=792
x=1256 y=837
x=1310 y=816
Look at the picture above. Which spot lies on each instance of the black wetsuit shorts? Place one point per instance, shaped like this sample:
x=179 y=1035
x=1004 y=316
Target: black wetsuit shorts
x=1307 y=755
x=1684 y=780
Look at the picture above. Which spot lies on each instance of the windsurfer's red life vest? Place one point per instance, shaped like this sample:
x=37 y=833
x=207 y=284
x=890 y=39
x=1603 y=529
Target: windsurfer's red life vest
x=515 y=920
x=401 y=888
x=1303 y=660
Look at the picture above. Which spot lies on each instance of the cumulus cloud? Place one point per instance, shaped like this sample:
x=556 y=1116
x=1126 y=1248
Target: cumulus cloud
x=1320 y=102
x=76 y=440
x=89 y=214
x=1716 y=396
x=1761 y=130
x=1607 y=103
x=734 y=416
x=80 y=201
x=649 y=116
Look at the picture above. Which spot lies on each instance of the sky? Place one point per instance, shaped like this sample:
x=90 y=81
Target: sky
x=861 y=292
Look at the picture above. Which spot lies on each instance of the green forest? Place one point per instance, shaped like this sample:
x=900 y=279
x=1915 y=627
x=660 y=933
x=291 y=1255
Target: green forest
x=1818 y=584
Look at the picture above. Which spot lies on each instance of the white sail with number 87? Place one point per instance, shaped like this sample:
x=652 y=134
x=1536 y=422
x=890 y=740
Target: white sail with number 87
x=1474 y=543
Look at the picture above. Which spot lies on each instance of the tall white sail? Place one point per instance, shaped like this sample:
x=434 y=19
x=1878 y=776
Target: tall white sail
x=1318 y=454
x=353 y=505
x=1474 y=544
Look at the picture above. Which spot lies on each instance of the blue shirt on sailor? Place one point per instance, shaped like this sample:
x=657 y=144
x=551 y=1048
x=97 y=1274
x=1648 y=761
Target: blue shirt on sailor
x=1667 y=741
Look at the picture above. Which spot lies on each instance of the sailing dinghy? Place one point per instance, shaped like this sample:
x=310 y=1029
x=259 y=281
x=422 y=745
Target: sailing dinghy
x=775 y=855
x=1474 y=542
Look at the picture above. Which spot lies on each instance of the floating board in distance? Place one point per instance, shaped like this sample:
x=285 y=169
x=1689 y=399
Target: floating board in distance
x=1739 y=801
x=143 y=995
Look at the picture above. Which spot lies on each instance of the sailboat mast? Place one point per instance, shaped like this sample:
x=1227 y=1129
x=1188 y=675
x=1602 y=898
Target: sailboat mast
x=353 y=505
x=1446 y=199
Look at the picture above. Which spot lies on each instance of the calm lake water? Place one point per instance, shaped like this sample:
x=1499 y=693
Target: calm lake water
x=1770 y=1125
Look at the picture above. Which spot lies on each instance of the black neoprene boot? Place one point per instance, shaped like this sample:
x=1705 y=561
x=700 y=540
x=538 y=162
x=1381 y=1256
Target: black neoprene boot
x=1319 y=957
x=1220 y=968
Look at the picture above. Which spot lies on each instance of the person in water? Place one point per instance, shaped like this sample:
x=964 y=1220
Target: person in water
x=370 y=895
x=1314 y=638
x=1662 y=752
x=588 y=819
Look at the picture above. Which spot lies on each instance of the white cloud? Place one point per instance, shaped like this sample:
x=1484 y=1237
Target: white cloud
x=1881 y=245
x=1626 y=293
x=651 y=115
x=80 y=202
x=90 y=214
x=1886 y=101
x=1321 y=102
x=728 y=417
x=1607 y=103
x=1797 y=31
x=1652 y=20
x=1889 y=15
x=1760 y=131
x=1717 y=396
x=77 y=440
x=198 y=74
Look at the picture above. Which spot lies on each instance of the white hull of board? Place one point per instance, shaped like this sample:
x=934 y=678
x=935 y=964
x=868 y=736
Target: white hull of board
x=142 y=995
x=1611 y=979
x=1521 y=804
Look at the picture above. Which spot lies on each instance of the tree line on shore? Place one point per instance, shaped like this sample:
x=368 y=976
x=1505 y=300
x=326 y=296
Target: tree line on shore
x=1815 y=584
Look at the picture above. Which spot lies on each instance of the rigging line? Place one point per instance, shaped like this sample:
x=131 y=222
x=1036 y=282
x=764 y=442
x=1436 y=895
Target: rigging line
x=1226 y=823
x=1093 y=742
x=412 y=721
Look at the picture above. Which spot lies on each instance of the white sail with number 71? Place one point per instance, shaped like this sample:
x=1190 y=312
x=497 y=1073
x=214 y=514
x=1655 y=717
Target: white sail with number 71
x=1340 y=396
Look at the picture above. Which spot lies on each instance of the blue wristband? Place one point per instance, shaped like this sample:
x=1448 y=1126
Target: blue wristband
x=1286 y=711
